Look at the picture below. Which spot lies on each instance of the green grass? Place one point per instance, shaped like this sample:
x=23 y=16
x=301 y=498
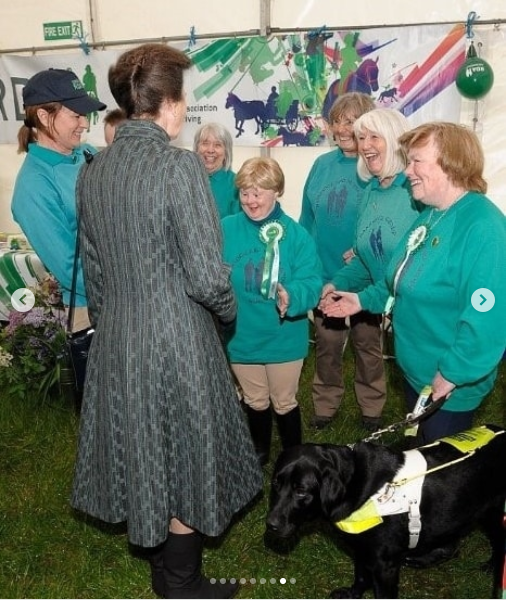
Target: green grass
x=48 y=551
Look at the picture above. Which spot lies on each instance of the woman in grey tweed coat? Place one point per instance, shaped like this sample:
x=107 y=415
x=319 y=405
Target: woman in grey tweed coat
x=163 y=444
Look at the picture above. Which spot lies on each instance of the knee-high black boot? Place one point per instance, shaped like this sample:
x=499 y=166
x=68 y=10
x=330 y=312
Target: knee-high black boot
x=290 y=428
x=182 y=563
x=155 y=558
x=260 y=426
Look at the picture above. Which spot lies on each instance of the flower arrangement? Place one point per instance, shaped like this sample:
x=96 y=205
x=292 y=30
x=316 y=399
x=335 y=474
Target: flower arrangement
x=33 y=345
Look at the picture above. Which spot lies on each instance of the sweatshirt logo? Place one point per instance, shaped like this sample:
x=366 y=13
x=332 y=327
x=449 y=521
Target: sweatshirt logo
x=336 y=202
x=376 y=243
x=253 y=276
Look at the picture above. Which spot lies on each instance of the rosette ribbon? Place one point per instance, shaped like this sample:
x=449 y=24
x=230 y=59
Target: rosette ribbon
x=271 y=234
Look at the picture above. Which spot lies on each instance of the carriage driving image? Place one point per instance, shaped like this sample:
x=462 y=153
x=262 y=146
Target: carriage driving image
x=278 y=90
x=263 y=113
x=296 y=108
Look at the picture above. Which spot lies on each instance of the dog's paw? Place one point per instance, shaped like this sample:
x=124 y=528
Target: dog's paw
x=344 y=592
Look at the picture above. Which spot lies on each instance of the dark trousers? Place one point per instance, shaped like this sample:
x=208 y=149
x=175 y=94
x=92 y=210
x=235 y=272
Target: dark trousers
x=331 y=335
x=440 y=423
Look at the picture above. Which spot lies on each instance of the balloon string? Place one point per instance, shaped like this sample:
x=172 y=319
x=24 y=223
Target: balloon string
x=475 y=117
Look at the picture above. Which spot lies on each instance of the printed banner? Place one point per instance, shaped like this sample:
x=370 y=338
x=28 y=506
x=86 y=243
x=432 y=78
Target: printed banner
x=277 y=91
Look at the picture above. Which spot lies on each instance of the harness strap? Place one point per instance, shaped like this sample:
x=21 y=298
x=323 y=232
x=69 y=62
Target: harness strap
x=414 y=523
x=468 y=442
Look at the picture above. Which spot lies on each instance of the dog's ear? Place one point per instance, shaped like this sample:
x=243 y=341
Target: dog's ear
x=337 y=470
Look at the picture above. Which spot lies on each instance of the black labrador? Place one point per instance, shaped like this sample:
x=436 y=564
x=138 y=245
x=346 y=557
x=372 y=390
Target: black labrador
x=459 y=488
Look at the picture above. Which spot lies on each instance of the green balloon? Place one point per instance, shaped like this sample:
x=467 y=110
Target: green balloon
x=475 y=78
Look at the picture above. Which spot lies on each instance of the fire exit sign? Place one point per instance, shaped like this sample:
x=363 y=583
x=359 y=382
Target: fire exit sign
x=63 y=30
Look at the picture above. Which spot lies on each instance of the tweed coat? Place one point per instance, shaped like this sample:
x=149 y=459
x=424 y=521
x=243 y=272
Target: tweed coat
x=162 y=433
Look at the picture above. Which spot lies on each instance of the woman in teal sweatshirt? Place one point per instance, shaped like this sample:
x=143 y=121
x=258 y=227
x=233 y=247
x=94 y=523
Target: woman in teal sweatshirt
x=387 y=211
x=43 y=202
x=276 y=276
x=213 y=143
x=330 y=205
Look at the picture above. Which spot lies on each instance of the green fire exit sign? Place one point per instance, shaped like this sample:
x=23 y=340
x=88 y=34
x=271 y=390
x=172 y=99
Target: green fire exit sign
x=63 y=30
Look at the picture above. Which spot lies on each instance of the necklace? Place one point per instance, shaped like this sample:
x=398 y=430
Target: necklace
x=442 y=213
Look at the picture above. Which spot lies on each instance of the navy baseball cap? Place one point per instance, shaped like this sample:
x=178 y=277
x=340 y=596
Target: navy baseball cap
x=60 y=85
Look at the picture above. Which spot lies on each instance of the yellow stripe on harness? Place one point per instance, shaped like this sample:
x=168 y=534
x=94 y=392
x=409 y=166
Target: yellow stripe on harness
x=472 y=439
x=366 y=517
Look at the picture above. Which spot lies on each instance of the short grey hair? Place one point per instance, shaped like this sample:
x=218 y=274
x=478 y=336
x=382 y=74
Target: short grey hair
x=389 y=124
x=220 y=132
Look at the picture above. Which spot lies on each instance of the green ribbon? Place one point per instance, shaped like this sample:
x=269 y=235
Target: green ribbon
x=271 y=233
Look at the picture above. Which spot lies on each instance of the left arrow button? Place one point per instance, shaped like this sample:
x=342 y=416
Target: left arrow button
x=23 y=300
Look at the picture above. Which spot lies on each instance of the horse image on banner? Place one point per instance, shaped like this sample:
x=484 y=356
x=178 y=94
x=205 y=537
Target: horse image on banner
x=245 y=110
x=364 y=79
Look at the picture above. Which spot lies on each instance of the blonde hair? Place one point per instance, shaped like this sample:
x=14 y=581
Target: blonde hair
x=261 y=172
x=389 y=124
x=460 y=152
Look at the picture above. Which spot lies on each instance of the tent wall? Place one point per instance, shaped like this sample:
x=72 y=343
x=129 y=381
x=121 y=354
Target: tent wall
x=111 y=24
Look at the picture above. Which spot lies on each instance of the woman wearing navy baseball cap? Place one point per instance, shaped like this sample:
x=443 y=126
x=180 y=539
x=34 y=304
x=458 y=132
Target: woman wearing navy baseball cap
x=43 y=204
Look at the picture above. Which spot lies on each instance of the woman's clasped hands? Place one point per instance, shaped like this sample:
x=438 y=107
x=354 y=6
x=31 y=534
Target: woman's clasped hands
x=334 y=303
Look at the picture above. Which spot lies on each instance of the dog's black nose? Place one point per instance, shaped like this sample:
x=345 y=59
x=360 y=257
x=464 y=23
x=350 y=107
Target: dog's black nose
x=271 y=525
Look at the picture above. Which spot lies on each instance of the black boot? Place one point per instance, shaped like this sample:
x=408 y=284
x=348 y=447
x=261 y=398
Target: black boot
x=155 y=558
x=182 y=562
x=290 y=428
x=260 y=426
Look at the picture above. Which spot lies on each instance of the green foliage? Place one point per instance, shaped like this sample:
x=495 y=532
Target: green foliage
x=49 y=551
x=32 y=346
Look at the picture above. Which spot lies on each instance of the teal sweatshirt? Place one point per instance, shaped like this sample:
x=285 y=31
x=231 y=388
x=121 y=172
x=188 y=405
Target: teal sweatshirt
x=436 y=327
x=44 y=206
x=225 y=192
x=330 y=204
x=261 y=336
x=385 y=215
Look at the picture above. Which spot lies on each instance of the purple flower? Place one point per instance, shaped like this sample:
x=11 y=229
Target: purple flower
x=15 y=320
x=37 y=317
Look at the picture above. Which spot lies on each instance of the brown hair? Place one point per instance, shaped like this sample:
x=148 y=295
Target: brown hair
x=145 y=76
x=28 y=131
x=460 y=153
x=355 y=103
x=114 y=117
